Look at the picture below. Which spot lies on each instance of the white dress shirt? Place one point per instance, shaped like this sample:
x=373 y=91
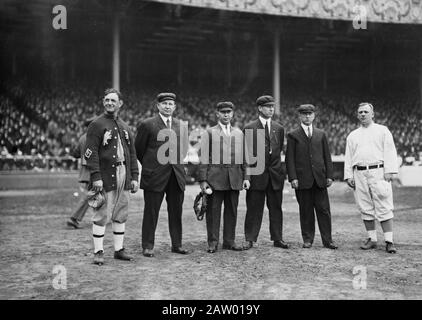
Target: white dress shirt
x=226 y=128
x=264 y=121
x=305 y=128
x=165 y=119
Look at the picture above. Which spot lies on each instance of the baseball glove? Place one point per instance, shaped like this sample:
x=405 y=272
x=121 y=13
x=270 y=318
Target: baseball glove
x=96 y=199
x=200 y=205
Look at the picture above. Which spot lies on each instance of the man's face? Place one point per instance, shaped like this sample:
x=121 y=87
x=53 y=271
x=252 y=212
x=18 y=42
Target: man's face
x=225 y=116
x=266 y=111
x=307 y=118
x=166 y=107
x=112 y=103
x=365 y=114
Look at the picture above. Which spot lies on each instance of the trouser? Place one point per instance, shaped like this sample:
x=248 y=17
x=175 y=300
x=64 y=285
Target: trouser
x=370 y=205
x=255 y=200
x=213 y=216
x=116 y=205
x=174 y=198
x=314 y=199
x=82 y=206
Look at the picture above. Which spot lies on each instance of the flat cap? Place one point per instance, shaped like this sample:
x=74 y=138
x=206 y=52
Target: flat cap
x=88 y=121
x=306 y=108
x=166 y=96
x=225 y=105
x=264 y=101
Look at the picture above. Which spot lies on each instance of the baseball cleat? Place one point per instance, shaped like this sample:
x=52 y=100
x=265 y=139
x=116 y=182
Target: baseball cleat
x=99 y=258
x=369 y=244
x=389 y=247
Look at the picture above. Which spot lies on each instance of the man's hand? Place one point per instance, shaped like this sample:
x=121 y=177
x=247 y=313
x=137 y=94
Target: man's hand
x=97 y=186
x=329 y=182
x=295 y=184
x=134 y=186
x=351 y=183
x=204 y=186
x=388 y=176
x=246 y=184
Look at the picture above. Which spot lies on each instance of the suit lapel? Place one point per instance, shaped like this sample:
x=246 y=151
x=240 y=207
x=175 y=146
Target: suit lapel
x=302 y=134
x=273 y=133
x=160 y=123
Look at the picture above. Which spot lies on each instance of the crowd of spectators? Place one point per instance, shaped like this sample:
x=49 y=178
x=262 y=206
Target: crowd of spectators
x=46 y=122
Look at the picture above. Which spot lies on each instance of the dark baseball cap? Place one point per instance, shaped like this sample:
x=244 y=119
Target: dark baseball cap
x=265 y=101
x=166 y=96
x=225 y=105
x=306 y=108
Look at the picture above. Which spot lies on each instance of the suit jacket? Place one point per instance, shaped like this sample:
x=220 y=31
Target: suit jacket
x=154 y=175
x=273 y=165
x=224 y=173
x=308 y=159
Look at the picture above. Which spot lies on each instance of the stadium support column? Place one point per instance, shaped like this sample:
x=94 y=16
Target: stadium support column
x=116 y=51
x=128 y=67
x=180 y=70
x=229 y=43
x=420 y=77
x=276 y=74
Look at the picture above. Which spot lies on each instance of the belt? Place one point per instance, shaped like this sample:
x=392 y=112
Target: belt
x=120 y=163
x=375 y=166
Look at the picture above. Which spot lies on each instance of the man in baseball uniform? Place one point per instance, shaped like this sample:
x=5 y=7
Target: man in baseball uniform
x=369 y=166
x=111 y=159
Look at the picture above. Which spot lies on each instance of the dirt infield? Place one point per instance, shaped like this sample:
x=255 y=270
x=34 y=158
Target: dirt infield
x=38 y=251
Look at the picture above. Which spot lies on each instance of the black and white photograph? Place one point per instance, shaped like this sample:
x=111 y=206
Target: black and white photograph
x=211 y=155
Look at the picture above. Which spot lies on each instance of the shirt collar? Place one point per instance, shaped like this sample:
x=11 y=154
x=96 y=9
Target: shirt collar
x=111 y=116
x=305 y=127
x=223 y=126
x=263 y=121
x=165 y=118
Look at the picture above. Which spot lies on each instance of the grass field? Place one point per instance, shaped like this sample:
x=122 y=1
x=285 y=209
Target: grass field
x=37 y=249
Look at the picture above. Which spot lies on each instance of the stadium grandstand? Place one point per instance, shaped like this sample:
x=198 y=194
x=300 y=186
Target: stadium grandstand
x=308 y=51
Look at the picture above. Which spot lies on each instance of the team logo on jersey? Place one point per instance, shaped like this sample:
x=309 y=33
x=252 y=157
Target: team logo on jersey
x=107 y=136
x=88 y=153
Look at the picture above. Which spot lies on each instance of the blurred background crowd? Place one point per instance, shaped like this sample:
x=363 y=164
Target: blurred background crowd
x=44 y=123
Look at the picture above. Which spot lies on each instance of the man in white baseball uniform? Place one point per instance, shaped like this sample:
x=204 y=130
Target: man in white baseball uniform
x=369 y=166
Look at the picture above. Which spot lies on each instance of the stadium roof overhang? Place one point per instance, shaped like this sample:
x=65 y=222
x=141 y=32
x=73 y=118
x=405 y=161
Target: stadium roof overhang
x=311 y=29
x=389 y=11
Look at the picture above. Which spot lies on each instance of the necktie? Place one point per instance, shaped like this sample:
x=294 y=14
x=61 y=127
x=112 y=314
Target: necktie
x=267 y=137
x=168 y=123
x=267 y=131
x=227 y=130
x=309 y=132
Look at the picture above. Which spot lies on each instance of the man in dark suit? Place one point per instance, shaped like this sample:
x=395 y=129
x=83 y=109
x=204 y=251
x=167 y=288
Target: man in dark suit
x=270 y=182
x=163 y=171
x=223 y=172
x=310 y=172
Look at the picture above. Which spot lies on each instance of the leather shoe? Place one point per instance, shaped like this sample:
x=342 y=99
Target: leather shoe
x=72 y=222
x=121 y=255
x=331 y=245
x=369 y=244
x=389 y=247
x=281 y=244
x=179 y=250
x=148 y=253
x=99 y=257
x=247 y=245
x=233 y=247
x=307 y=245
x=212 y=249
